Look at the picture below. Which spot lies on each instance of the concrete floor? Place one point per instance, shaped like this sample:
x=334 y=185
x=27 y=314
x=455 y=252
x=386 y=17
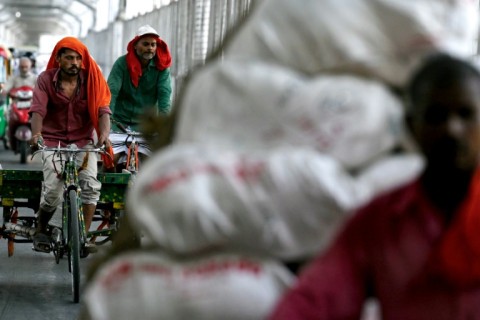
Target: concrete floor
x=33 y=286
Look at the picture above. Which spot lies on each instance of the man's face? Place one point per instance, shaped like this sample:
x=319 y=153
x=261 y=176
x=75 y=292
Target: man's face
x=70 y=62
x=447 y=125
x=24 y=67
x=146 y=47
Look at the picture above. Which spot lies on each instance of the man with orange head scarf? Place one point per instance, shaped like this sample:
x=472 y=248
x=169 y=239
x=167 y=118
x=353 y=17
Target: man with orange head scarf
x=70 y=101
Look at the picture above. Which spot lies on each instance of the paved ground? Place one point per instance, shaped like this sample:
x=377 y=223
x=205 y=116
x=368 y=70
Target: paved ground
x=32 y=285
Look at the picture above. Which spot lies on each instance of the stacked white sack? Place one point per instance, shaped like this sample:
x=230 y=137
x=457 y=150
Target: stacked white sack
x=152 y=285
x=247 y=105
x=285 y=203
x=381 y=38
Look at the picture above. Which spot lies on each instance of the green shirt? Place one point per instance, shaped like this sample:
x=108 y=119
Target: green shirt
x=128 y=103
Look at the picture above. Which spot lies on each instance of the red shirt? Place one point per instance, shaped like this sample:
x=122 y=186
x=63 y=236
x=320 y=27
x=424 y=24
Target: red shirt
x=383 y=251
x=64 y=119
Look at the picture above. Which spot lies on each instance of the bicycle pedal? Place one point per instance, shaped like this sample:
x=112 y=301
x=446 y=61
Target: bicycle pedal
x=43 y=248
x=41 y=243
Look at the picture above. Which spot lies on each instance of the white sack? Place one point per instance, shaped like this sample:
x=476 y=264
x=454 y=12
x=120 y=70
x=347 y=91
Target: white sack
x=383 y=38
x=286 y=203
x=255 y=105
x=390 y=172
x=152 y=286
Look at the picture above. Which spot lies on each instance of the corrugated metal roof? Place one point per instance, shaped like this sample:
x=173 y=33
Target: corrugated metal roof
x=26 y=20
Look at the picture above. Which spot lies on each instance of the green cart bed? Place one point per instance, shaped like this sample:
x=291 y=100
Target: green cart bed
x=22 y=189
x=27 y=185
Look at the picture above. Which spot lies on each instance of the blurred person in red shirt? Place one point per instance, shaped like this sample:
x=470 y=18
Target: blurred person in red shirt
x=416 y=250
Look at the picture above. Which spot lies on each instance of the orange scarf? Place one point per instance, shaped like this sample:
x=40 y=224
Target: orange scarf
x=458 y=256
x=163 y=59
x=97 y=89
x=98 y=92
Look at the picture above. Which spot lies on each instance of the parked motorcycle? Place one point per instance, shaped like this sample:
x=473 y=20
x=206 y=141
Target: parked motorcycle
x=19 y=129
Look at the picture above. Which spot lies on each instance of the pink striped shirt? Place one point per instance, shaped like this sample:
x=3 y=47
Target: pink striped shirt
x=64 y=119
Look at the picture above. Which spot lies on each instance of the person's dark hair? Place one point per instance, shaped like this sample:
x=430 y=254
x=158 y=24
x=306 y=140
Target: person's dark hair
x=440 y=71
x=61 y=51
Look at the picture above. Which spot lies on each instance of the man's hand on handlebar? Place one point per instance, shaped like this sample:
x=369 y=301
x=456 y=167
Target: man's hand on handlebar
x=36 y=141
x=103 y=140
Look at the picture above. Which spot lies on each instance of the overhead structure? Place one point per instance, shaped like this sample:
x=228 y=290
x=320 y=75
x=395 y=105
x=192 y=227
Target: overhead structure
x=22 y=22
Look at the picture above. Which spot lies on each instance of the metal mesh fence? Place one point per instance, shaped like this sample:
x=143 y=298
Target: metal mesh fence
x=192 y=29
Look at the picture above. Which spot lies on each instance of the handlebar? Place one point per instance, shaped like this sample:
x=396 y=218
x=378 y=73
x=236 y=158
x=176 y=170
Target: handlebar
x=126 y=130
x=120 y=126
x=71 y=148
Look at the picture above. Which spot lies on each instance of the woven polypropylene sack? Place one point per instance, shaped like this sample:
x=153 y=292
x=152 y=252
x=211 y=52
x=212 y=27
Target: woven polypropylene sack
x=153 y=285
x=255 y=105
x=285 y=203
x=379 y=38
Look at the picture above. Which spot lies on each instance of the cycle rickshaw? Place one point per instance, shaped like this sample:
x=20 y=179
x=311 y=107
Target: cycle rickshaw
x=22 y=189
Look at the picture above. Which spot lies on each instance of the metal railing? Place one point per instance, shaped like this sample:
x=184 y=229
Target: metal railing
x=192 y=29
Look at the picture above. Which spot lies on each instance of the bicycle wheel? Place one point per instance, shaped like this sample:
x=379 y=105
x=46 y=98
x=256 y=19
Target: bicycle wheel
x=23 y=150
x=74 y=244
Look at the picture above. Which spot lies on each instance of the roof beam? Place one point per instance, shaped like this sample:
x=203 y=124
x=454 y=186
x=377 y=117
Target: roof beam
x=50 y=7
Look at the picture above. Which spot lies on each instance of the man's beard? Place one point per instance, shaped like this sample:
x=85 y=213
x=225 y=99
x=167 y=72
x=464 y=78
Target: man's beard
x=148 y=55
x=73 y=71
